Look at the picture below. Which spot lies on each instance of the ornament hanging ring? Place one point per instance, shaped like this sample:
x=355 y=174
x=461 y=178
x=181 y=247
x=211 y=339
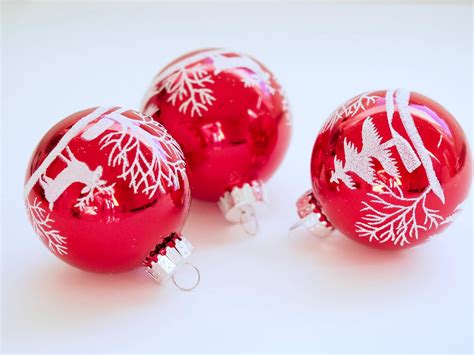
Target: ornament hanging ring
x=196 y=283
x=249 y=220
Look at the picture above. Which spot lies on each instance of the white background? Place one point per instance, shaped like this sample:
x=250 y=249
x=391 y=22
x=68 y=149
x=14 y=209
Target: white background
x=268 y=293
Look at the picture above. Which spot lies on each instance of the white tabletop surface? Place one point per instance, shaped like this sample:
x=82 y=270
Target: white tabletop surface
x=268 y=293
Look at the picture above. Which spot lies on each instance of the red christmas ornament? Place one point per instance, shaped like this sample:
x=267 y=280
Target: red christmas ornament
x=231 y=118
x=389 y=169
x=106 y=190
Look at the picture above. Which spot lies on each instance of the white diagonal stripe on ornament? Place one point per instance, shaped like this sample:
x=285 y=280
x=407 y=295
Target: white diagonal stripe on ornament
x=402 y=98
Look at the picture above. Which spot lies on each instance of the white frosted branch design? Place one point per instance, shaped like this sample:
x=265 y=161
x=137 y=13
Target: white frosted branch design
x=361 y=162
x=150 y=160
x=90 y=192
x=188 y=87
x=350 y=109
x=42 y=224
x=186 y=82
x=391 y=217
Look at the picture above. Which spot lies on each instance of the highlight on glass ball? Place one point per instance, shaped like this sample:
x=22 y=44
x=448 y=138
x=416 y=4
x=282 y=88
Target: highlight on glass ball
x=389 y=169
x=106 y=191
x=231 y=117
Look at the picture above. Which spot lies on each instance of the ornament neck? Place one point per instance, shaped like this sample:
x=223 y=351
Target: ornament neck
x=168 y=257
x=240 y=203
x=311 y=215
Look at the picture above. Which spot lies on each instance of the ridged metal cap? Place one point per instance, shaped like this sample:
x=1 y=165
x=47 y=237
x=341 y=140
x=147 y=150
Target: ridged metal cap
x=168 y=257
x=239 y=199
x=311 y=215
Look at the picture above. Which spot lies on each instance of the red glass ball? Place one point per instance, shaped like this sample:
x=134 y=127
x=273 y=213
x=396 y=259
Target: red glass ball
x=104 y=187
x=229 y=115
x=390 y=168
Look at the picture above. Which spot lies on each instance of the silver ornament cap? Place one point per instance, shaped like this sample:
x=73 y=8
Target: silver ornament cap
x=311 y=215
x=248 y=196
x=168 y=257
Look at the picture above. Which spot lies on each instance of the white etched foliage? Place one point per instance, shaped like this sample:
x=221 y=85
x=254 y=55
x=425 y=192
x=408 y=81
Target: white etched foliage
x=150 y=159
x=350 y=109
x=392 y=217
x=188 y=87
x=188 y=83
x=43 y=226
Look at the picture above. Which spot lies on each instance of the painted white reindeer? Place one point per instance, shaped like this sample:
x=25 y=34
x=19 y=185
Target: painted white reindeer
x=75 y=171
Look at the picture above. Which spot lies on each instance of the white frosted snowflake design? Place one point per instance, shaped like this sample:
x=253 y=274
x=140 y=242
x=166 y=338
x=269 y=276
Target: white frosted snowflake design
x=350 y=109
x=42 y=224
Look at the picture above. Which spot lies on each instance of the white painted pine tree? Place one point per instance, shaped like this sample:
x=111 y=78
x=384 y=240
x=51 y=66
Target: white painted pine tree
x=362 y=162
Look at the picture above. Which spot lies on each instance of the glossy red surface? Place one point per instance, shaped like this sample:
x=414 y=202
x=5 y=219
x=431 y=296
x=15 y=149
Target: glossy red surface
x=390 y=183
x=131 y=207
x=229 y=115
